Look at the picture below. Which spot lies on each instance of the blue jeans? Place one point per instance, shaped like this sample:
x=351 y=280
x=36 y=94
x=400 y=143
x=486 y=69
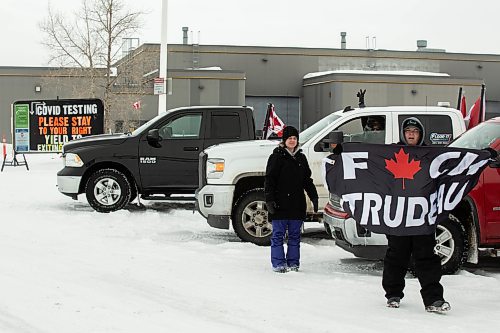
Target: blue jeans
x=292 y=258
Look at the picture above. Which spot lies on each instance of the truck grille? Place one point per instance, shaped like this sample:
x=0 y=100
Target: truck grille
x=202 y=169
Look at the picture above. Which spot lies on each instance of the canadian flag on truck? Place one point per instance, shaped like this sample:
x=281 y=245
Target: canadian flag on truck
x=477 y=111
x=463 y=106
x=272 y=123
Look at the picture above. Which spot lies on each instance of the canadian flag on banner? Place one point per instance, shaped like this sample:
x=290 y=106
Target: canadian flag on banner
x=272 y=123
x=136 y=105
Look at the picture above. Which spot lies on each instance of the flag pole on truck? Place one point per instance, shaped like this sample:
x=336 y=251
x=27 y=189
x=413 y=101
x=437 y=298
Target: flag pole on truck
x=266 y=121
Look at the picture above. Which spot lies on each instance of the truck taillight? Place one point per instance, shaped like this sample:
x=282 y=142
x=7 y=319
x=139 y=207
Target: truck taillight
x=330 y=210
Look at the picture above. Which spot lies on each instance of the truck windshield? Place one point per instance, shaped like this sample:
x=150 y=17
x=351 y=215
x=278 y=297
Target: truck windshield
x=317 y=127
x=147 y=124
x=479 y=137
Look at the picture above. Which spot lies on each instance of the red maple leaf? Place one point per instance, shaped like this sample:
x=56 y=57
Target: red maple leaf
x=401 y=168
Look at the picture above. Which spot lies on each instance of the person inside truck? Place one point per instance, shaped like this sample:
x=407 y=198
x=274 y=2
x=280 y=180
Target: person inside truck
x=374 y=123
x=374 y=130
x=421 y=248
x=287 y=176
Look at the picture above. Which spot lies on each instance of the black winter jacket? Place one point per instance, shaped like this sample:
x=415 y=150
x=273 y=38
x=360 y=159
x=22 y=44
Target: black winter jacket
x=286 y=179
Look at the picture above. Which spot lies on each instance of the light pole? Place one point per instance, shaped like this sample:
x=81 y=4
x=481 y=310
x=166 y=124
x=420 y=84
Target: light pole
x=162 y=98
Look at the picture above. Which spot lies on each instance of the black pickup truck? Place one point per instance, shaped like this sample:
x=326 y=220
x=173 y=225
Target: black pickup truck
x=157 y=161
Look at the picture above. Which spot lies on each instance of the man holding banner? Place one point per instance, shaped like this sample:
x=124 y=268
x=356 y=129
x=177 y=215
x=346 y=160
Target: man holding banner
x=404 y=191
x=421 y=247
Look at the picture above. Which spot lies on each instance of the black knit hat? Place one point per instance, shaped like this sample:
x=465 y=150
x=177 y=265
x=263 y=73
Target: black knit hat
x=413 y=122
x=290 y=131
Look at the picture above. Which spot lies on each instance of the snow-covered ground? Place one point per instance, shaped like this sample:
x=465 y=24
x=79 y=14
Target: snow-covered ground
x=65 y=268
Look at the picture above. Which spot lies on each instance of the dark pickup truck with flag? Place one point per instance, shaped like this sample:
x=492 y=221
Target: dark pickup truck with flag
x=157 y=161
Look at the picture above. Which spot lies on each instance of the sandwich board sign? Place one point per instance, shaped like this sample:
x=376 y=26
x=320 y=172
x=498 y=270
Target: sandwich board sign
x=46 y=125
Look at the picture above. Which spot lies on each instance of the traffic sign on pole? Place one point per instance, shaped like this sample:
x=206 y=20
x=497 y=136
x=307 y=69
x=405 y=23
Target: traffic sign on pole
x=159 y=86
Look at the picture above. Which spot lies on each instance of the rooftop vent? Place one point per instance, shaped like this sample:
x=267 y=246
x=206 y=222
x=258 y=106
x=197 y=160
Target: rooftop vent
x=422 y=47
x=421 y=44
x=185 y=35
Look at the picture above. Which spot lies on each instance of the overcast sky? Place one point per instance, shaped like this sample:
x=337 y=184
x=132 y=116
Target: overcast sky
x=453 y=25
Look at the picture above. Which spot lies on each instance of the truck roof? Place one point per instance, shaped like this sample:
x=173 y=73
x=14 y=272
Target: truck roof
x=399 y=109
x=212 y=107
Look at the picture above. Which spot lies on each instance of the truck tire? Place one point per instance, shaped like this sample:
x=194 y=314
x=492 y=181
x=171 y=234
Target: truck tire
x=451 y=246
x=133 y=192
x=250 y=218
x=108 y=190
x=328 y=230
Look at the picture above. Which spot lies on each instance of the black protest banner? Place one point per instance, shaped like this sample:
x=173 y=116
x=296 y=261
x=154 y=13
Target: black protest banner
x=46 y=125
x=403 y=190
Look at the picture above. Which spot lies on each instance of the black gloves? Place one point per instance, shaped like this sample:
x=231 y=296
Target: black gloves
x=315 y=204
x=271 y=207
x=492 y=152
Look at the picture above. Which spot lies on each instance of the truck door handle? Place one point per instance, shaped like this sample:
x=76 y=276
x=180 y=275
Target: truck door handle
x=191 y=148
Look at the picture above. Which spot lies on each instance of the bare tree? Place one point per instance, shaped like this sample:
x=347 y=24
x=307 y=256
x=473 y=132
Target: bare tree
x=91 y=40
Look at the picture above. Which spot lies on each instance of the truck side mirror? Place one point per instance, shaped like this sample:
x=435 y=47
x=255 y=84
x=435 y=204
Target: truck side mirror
x=154 y=138
x=325 y=145
x=335 y=137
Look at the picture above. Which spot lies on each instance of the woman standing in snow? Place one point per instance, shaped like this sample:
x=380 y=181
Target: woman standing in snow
x=287 y=176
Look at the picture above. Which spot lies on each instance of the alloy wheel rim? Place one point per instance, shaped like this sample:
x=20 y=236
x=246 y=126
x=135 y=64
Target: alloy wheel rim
x=445 y=244
x=255 y=219
x=107 y=191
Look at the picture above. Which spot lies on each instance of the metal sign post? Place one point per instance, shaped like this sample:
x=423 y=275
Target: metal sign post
x=14 y=162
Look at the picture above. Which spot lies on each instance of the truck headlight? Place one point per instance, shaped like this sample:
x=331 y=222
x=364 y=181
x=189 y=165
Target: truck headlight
x=215 y=167
x=72 y=160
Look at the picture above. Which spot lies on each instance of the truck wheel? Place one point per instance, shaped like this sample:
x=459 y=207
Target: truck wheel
x=328 y=230
x=108 y=190
x=250 y=221
x=133 y=192
x=451 y=244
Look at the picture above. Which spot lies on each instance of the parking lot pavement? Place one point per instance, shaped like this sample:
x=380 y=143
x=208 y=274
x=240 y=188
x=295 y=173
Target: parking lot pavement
x=486 y=264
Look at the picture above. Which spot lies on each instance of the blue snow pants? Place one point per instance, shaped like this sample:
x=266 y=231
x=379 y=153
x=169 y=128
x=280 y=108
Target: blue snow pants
x=292 y=257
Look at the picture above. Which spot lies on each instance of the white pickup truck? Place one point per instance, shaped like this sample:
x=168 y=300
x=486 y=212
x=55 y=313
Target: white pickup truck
x=231 y=182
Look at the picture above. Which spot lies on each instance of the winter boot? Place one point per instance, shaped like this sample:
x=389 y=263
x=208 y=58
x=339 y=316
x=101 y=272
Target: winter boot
x=393 y=302
x=280 y=269
x=438 y=306
x=294 y=268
